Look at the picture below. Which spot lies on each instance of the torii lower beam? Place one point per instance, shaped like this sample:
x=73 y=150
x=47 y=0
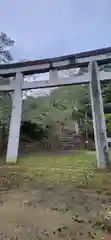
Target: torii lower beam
x=99 y=125
x=56 y=82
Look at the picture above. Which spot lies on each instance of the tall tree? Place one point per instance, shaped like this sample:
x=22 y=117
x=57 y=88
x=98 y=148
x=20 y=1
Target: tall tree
x=5 y=44
x=5 y=98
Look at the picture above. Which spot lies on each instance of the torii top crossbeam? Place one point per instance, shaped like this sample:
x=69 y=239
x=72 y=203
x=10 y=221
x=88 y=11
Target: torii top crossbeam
x=102 y=56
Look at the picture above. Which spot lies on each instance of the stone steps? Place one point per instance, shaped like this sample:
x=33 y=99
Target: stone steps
x=69 y=140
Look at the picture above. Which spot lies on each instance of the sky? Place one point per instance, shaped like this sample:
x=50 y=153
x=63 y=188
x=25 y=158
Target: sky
x=49 y=28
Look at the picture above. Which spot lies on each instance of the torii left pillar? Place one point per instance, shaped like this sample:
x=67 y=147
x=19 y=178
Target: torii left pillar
x=14 y=131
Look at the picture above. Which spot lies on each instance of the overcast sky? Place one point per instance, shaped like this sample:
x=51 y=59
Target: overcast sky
x=47 y=28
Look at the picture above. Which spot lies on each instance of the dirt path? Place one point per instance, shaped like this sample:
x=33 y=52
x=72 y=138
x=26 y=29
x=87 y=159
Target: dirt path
x=52 y=213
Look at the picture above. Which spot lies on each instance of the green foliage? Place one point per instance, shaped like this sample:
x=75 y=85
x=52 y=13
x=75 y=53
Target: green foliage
x=5 y=110
x=35 y=132
x=66 y=104
x=63 y=104
x=5 y=98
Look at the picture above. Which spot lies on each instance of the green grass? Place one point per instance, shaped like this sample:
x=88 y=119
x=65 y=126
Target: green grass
x=77 y=170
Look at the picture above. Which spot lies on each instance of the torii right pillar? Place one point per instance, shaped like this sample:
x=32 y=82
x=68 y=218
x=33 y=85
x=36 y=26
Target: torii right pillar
x=100 y=135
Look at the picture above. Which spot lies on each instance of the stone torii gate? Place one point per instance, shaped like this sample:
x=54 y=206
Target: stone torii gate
x=90 y=60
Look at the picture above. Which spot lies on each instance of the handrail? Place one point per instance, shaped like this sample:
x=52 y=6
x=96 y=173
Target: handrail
x=102 y=56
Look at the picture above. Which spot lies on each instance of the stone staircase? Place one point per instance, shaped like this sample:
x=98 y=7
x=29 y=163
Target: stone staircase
x=69 y=140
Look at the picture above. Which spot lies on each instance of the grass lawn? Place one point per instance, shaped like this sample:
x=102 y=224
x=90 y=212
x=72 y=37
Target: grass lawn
x=77 y=170
x=54 y=196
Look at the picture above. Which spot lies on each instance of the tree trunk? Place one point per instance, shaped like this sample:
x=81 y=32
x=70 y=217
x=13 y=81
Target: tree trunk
x=3 y=139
